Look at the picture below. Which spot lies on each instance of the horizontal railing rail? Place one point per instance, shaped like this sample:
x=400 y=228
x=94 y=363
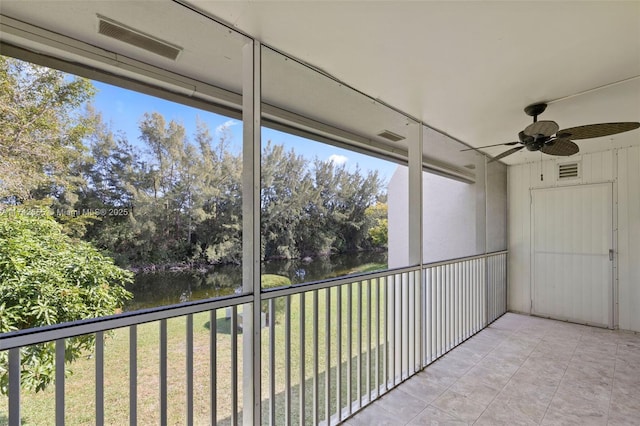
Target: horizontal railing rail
x=333 y=282
x=49 y=333
x=464 y=258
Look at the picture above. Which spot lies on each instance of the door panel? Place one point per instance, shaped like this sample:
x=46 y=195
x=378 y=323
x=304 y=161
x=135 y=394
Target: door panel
x=572 y=236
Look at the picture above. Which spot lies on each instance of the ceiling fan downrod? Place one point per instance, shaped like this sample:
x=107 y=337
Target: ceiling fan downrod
x=535 y=110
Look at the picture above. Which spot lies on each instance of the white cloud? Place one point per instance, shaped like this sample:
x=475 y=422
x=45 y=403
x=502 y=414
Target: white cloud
x=338 y=159
x=227 y=124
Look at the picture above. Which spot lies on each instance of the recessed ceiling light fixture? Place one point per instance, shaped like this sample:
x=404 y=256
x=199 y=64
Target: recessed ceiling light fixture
x=126 y=34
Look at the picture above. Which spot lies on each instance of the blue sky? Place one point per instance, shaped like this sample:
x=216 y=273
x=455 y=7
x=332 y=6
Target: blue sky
x=124 y=109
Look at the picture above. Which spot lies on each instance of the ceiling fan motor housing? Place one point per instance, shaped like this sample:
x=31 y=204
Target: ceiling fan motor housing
x=535 y=110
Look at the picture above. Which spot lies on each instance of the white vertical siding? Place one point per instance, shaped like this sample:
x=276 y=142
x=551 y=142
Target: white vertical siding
x=519 y=233
x=621 y=166
x=628 y=160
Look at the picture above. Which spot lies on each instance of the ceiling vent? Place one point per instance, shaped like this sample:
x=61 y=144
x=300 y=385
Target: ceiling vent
x=393 y=137
x=128 y=35
x=568 y=171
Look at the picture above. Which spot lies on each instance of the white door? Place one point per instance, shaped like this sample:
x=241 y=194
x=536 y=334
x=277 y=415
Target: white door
x=572 y=272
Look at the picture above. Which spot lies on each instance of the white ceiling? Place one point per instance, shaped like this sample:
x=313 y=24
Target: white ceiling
x=465 y=68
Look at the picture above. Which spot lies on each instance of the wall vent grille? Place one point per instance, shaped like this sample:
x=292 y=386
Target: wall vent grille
x=387 y=134
x=125 y=34
x=568 y=171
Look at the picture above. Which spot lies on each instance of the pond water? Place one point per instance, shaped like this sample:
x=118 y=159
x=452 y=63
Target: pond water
x=166 y=288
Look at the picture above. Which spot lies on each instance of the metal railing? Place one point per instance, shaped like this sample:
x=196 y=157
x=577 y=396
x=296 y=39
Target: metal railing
x=328 y=348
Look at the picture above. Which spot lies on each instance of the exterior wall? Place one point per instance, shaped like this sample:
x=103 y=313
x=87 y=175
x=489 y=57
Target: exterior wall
x=628 y=165
x=454 y=216
x=496 y=216
x=398 y=218
x=622 y=167
x=448 y=218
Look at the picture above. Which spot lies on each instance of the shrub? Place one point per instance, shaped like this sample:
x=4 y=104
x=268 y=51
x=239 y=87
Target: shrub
x=46 y=277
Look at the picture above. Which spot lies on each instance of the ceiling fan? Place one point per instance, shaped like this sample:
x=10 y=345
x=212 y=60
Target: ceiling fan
x=545 y=135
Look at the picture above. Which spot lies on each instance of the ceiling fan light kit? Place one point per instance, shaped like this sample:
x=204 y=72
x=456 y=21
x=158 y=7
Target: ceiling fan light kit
x=546 y=137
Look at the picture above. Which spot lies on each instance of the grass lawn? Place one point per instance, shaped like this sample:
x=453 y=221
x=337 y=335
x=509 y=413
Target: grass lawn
x=38 y=409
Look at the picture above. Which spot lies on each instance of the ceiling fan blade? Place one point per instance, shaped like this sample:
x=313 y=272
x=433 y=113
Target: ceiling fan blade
x=543 y=127
x=504 y=154
x=489 y=146
x=597 y=130
x=560 y=146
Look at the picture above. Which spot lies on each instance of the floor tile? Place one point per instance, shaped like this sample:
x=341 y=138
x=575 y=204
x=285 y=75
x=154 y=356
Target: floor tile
x=373 y=415
x=505 y=413
x=401 y=404
x=459 y=406
x=433 y=416
x=475 y=389
x=424 y=389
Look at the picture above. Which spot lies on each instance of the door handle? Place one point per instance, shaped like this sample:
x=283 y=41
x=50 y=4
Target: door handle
x=611 y=255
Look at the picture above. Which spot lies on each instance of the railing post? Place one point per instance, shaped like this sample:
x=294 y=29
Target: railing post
x=486 y=291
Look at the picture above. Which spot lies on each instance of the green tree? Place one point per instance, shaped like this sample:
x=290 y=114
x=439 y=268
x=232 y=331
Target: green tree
x=48 y=278
x=285 y=188
x=378 y=224
x=41 y=129
x=218 y=201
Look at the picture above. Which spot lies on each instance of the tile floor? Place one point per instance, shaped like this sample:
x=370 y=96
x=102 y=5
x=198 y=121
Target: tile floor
x=522 y=370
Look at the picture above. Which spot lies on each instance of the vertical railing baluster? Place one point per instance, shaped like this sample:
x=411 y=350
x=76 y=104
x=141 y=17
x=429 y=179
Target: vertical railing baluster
x=465 y=318
x=452 y=305
x=392 y=319
x=287 y=359
x=234 y=362
x=404 y=282
x=303 y=373
x=316 y=394
x=272 y=361
x=369 y=339
x=469 y=298
x=479 y=302
x=163 y=372
x=447 y=308
x=349 y=348
x=339 y=351
x=474 y=296
x=456 y=280
x=99 y=378
x=419 y=314
x=440 y=317
x=327 y=356
x=432 y=316
x=133 y=375
x=386 y=334
x=359 y=359
x=213 y=365
x=190 y=419
x=377 y=336
x=15 y=418
x=505 y=273
x=60 y=348
x=427 y=314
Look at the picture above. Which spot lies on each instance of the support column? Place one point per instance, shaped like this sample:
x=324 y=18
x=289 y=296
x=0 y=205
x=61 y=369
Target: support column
x=251 y=102
x=415 y=238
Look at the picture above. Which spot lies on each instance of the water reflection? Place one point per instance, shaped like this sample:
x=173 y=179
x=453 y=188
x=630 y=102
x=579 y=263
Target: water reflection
x=165 y=288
